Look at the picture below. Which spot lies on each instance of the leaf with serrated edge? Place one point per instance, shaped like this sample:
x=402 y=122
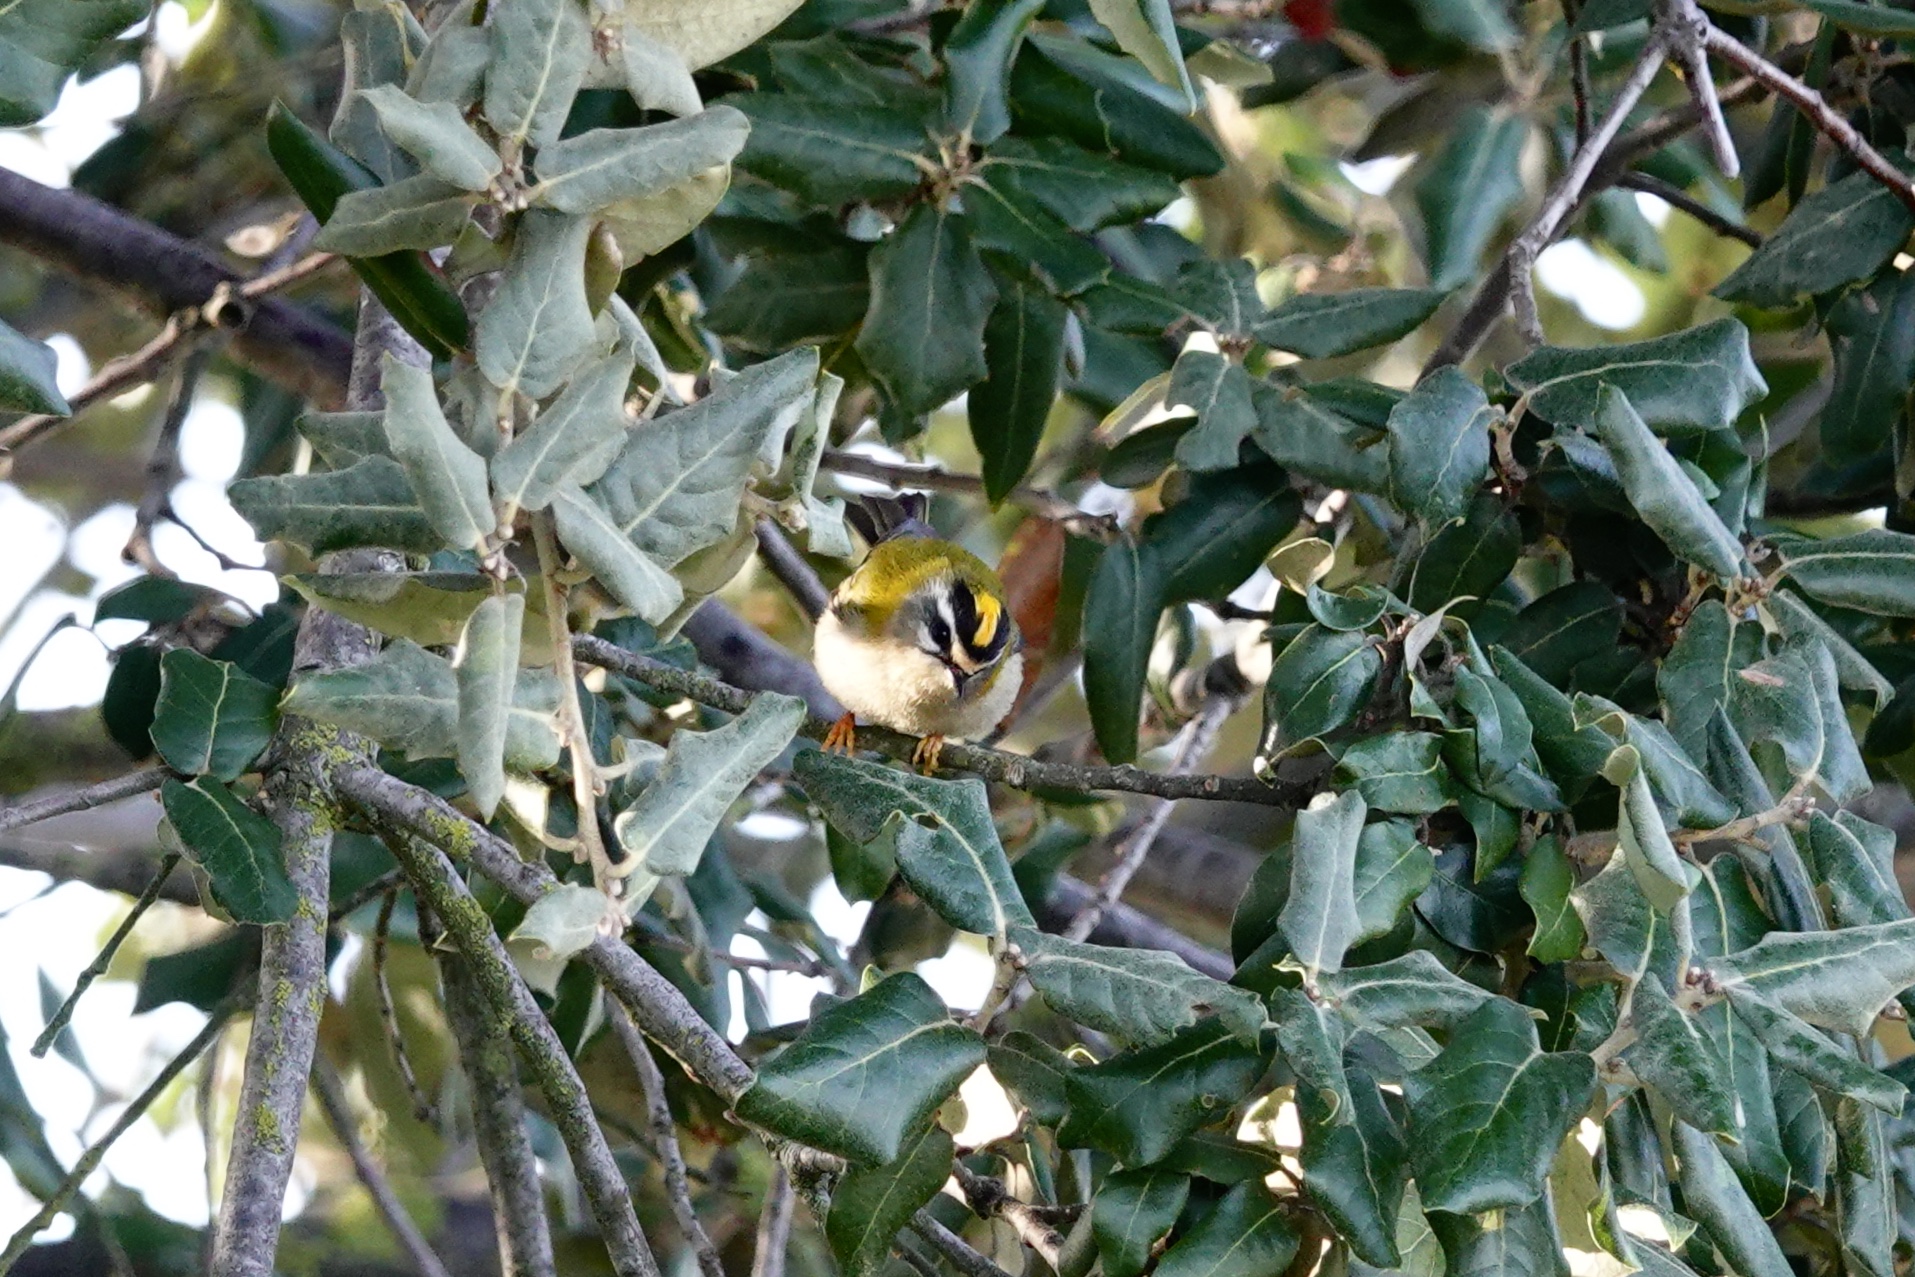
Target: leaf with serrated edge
x=448 y=476
x=594 y=170
x=1392 y=869
x=865 y=1074
x=1547 y=878
x=1356 y=1170
x=538 y=326
x=487 y=665
x=1141 y=995
x=1795 y=619
x=573 y=440
x=668 y=828
x=1414 y=990
x=1217 y=389
x=239 y=849
x=1320 y=919
x=211 y=719
x=1398 y=772
x=871 y=1203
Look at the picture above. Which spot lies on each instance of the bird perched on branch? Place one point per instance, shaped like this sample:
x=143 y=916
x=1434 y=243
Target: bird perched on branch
x=918 y=638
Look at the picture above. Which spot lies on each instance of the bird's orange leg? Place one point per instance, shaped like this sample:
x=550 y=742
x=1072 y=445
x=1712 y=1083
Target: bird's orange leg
x=928 y=752
x=843 y=736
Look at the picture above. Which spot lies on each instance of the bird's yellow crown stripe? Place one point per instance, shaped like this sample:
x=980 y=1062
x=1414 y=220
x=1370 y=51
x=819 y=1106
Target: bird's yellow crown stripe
x=989 y=614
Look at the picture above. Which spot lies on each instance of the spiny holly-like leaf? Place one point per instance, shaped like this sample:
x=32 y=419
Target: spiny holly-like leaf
x=1392 y=869
x=1144 y=996
x=540 y=49
x=1694 y=381
x=1137 y=1106
x=1413 y=990
x=871 y=1203
x=1675 y=1055
x=1356 y=1170
x=1439 y=445
x=1132 y=1212
x=669 y=826
x=448 y=476
x=1798 y=622
x=1488 y=1113
x=538 y=326
x=1324 y=325
x=594 y=170
x=408 y=699
x=239 y=850
x=1217 y=389
x=867 y=1074
x=1319 y=919
x=370 y=502
x=923 y=338
x=573 y=440
x=1545 y=884
x=946 y=845
x=211 y=719
x=1398 y=772
x=1661 y=491
x=1839 y=980
x=1855 y=860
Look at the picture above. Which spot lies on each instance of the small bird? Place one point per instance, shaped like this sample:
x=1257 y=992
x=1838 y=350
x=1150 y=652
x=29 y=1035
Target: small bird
x=918 y=638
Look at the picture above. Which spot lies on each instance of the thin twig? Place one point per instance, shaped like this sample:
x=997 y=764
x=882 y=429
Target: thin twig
x=331 y=1093
x=1687 y=30
x=1824 y=117
x=571 y=717
x=438 y=884
x=163 y=465
x=1578 y=71
x=1674 y=196
x=904 y=474
x=85 y=799
x=988 y=1198
x=671 y=1159
x=783 y=561
x=954 y=1248
x=388 y=1014
x=389 y=881
x=104 y=958
x=774 y=1225
x=90 y=1160
x=1015 y=770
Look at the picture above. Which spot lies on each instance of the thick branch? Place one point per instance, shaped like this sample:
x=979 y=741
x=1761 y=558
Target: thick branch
x=332 y=1101
x=664 y=1133
x=1015 y=770
x=164 y=274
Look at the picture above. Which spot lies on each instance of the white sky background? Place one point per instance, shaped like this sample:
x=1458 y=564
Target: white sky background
x=62 y=928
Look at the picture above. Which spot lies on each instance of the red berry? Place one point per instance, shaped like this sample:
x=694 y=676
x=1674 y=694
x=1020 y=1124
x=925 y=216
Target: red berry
x=1313 y=19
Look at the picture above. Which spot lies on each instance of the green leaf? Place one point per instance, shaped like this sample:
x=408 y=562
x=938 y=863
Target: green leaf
x=1469 y=188
x=1673 y=1054
x=871 y=1203
x=1662 y=492
x=1855 y=860
x=629 y=574
x=1009 y=224
x=408 y=699
x=341 y=438
x=1564 y=628
x=1696 y=676
x=669 y=826
x=211 y=719
x=1517 y=1243
x=1483 y=25
x=572 y=442
x=1545 y=884
x=451 y=68
x=448 y=477
x=947 y=847
x=430 y=608
x=1058 y=88
x=1872 y=331
x=1846 y=231
x=788 y=299
x=1247 y=1234
x=540 y=49
x=487 y=666
x=1618 y=919
x=1024 y=356
x=1871 y=571
x=1217 y=390
x=1467 y=559
x=1310 y=437
x=1317 y=684
x=1138 y=1105
x=239 y=849
x=1220 y=295
x=1487 y=1114
x=923 y=338
x=1032 y=1070
x=1319 y=919
x=1147 y=31
x=1685 y=794
x=1838 y=980
x=1644 y=845
x=1392 y=869
x=380 y=42
x=1439 y=445
x=589 y=172
x=435 y=134
x=1083 y=190
x=678 y=485
x=1414 y=990
x=1325 y=325
x=709 y=32
x=538 y=327
x=26 y=374
x=1311 y=1037
x=1864 y=19
x=830 y=153
x=1359 y=609
x=1399 y=772
x=562 y=923
x=1144 y=996
x=369 y=503
x=1132 y=1212
x=867 y=1074
x=1356 y=1170
x=1794 y=1046
x=1799 y=623
x=1222 y=529
x=977 y=59
x=1711 y=1193
x=1692 y=382
x=1121 y=608
x=42 y=42
x=1570 y=750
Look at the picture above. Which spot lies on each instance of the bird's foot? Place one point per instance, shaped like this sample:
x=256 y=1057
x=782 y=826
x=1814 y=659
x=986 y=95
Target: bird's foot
x=843 y=736
x=928 y=752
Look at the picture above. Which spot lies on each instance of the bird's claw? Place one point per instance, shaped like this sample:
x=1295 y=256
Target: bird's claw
x=929 y=750
x=843 y=736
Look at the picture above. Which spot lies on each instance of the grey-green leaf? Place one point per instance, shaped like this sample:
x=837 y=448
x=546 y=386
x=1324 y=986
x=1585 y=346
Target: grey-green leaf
x=1673 y=1054
x=631 y=576
x=1488 y=1113
x=487 y=666
x=867 y=1074
x=1794 y=1046
x=1692 y=382
x=437 y=135
x=1414 y=990
x=1439 y=445
x=538 y=326
x=1324 y=325
x=1320 y=919
x=669 y=826
x=1662 y=492
x=371 y=502
x=1836 y=979
x=211 y=719
x=1144 y=996
x=1871 y=571
x=420 y=212
x=572 y=442
x=1392 y=869
x=540 y=49
x=1356 y=1170
x=447 y=475
x=1855 y=860
x=1711 y=1193
x=1399 y=772
x=1545 y=885
x=239 y=849
x=584 y=174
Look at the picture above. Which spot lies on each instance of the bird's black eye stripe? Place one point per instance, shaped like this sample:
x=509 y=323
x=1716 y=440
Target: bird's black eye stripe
x=963 y=611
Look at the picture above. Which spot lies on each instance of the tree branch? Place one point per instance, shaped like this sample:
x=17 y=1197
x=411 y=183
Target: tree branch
x=1015 y=770
x=664 y=1134
x=510 y=1002
x=34 y=810
x=104 y=958
x=332 y=1101
x=1674 y=196
x=989 y=1199
x=746 y=657
x=164 y=274
x=954 y=1248
x=1127 y=928
x=774 y=1225
x=783 y=561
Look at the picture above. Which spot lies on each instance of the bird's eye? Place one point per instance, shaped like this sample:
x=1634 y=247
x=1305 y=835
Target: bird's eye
x=940 y=633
